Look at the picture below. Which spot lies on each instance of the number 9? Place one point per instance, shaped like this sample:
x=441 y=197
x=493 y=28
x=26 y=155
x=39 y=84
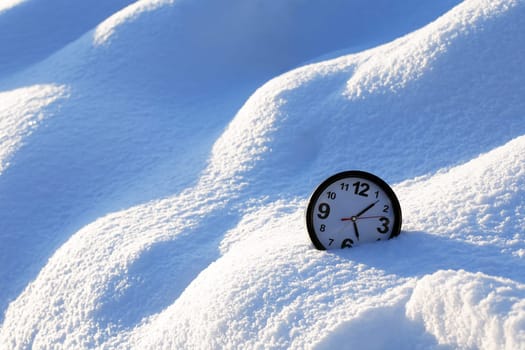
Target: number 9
x=324 y=210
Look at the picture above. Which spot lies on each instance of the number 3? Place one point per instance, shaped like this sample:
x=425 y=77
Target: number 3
x=384 y=228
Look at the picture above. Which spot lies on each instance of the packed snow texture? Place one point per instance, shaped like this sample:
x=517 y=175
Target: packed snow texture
x=156 y=159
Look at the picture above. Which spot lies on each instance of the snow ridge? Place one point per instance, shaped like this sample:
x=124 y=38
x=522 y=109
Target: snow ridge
x=21 y=112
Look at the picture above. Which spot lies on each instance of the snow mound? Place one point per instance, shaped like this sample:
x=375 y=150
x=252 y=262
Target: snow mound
x=33 y=30
x=21 y=111
x=176 y=70
x=270 y=288
x=8 y=4
x=475 y=311
x=218 y=256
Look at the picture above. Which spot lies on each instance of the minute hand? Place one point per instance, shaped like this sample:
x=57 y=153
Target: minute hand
x=366 y=209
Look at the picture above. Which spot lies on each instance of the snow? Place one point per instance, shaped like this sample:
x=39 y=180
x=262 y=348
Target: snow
x=477 y=311
x=156 y=159
x=8 y=4
x=22 y=111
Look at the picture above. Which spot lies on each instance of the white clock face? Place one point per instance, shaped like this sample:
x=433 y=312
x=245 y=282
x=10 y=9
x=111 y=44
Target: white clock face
x=351 y=208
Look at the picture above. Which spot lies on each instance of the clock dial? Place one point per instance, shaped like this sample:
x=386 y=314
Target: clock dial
x=351 y=208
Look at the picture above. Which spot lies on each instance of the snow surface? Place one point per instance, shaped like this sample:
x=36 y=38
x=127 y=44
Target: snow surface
x=155 y=166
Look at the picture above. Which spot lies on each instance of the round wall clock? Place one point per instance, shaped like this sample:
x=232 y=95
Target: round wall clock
x=350 y=208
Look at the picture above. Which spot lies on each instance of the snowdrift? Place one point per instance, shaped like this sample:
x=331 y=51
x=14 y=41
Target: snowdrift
x=78 y=140
x=153 y=191
x=33 y=30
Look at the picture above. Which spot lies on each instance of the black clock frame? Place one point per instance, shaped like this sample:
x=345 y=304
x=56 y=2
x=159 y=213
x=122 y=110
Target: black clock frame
x=310 y=209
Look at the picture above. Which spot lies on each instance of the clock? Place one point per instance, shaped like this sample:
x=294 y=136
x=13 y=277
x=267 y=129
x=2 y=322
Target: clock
x=351 y=208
